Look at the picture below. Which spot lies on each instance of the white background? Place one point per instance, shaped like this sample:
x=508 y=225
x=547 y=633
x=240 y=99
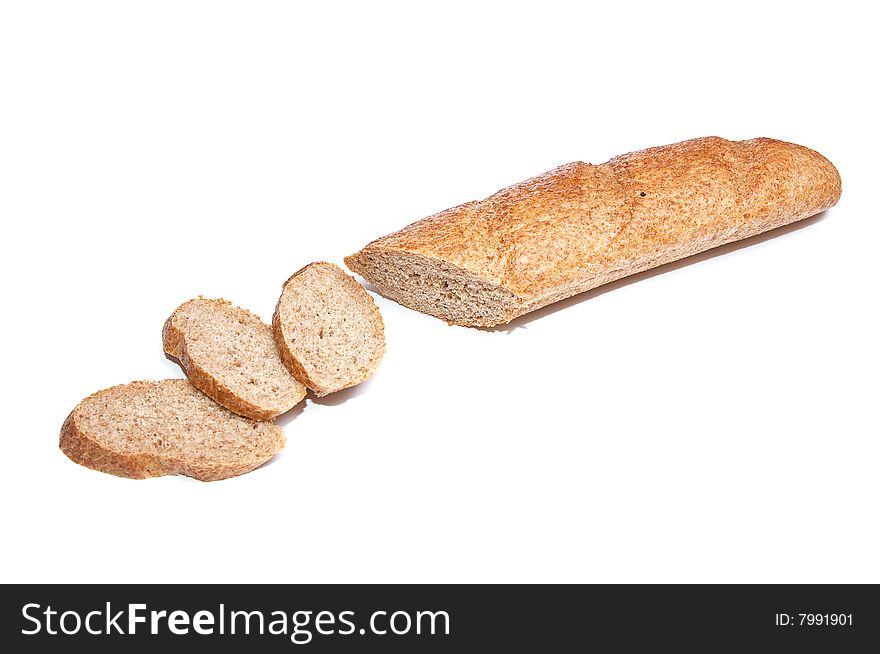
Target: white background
x=714 y=422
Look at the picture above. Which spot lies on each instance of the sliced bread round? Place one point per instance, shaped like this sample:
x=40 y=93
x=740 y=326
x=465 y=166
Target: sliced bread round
x=230 y=354
x=328 y=329
x=148 y=429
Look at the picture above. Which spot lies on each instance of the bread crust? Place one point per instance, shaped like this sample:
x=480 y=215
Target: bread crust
x=579 y=226
x=174 y=344
x=84 y=449
x=288 y=355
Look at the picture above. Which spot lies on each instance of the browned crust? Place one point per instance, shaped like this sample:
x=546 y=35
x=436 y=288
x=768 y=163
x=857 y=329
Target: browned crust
x=580 y=226
x=294 y=366
x=174 y=343
x=83 y=449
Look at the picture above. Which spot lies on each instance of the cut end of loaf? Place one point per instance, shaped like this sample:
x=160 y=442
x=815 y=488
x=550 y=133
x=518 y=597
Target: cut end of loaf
x=328 y=329
x=435 y=287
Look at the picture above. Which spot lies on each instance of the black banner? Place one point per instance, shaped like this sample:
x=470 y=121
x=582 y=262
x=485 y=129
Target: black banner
x=441 y=618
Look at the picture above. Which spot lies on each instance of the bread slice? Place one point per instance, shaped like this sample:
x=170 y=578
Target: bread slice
x=149 y=429
x=328 y=329
x=230 y=355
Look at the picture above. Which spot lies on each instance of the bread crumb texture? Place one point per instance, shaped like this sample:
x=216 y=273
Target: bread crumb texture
x=579 y=226
x=328 y=329
x=230 y=354
x=149 y=429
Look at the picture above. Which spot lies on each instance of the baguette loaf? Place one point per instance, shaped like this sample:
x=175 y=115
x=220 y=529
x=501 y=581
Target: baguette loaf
x=148 y=429
x=579 y=226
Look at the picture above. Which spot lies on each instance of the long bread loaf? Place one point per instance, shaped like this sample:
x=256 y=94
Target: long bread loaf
x=580 y=226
